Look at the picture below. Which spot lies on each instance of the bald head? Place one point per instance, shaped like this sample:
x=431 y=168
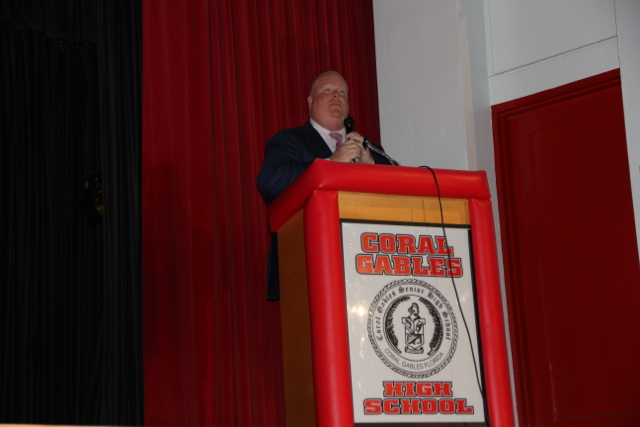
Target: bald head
x=329 y=100
x=322 y=75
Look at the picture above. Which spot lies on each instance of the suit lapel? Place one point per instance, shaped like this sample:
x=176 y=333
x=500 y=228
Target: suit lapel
x=314 y=142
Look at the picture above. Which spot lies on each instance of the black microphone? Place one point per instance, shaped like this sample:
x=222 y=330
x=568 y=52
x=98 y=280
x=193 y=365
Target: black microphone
x=349 y=125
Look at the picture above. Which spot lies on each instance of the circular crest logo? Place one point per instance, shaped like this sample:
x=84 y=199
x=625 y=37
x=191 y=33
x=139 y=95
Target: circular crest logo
x=412 y=328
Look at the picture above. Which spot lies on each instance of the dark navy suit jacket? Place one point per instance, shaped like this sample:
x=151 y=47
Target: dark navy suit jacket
x=287 y=155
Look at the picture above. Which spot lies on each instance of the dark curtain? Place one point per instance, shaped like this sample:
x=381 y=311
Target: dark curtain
x=70 y=300
x=221 y=77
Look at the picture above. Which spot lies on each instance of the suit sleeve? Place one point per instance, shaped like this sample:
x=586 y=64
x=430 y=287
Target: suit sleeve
x=284 y=161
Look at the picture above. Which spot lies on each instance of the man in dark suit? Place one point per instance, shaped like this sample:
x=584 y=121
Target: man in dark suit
x=323 y=136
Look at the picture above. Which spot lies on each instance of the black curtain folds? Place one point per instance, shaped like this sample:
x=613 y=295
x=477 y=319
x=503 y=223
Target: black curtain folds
x=74 y=21
x=70 y=294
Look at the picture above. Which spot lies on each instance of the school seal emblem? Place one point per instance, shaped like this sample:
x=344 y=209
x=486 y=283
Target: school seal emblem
x=412 y=328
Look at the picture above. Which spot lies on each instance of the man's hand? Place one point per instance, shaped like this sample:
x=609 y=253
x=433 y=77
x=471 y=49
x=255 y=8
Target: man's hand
x=352 y=150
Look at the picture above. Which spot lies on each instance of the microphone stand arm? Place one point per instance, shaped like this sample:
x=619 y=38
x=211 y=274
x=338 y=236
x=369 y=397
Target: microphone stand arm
x=369 y=144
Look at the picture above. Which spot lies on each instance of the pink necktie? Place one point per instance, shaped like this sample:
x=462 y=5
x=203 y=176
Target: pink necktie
x=337 y=137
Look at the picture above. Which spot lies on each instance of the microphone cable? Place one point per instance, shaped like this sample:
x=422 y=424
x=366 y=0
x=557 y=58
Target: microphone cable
x=455 y=288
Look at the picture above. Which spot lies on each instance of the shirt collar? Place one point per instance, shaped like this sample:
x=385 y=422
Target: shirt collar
x=324 y=133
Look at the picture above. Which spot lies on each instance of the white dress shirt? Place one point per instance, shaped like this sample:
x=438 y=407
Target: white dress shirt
x=324 y=133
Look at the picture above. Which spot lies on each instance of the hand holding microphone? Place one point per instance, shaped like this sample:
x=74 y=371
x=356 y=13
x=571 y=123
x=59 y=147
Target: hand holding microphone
x=354 y=149
x=351 y=150
x=364 y=143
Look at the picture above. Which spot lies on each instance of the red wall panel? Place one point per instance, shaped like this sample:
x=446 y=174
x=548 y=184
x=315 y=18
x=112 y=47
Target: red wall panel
x=571 y=259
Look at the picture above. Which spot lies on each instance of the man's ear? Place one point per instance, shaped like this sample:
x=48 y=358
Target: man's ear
x=309 y=101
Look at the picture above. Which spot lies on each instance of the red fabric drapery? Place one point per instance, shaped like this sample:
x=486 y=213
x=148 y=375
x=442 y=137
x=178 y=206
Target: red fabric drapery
x=219 y=78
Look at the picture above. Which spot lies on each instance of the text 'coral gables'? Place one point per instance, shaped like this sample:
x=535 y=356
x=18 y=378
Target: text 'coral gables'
x=406 y=255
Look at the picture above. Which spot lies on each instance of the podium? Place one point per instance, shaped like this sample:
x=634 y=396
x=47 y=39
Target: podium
x=391 y=308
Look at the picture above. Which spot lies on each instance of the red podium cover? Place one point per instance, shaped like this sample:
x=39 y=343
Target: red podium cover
x=312 y=205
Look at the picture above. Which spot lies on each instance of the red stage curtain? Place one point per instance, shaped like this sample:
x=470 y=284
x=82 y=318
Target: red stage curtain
x=219 y=78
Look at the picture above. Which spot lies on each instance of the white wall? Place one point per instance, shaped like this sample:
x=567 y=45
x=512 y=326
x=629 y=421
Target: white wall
x=419 y=83
x=525 y=32
x=539 y=45
x=430 y=89
x=628 y=23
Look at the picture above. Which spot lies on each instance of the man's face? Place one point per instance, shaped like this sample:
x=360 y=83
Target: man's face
x=329 y=101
